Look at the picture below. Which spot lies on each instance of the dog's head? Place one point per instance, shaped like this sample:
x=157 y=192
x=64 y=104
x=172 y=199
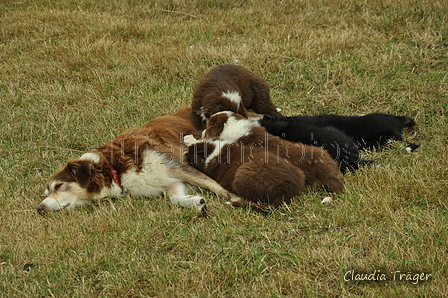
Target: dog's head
x=228 y=126
x=77 y=183
x=215 y=125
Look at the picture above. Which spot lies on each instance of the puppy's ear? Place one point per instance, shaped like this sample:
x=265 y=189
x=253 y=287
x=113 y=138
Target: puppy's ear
x=214 y=131
x=215 y=126
x=81 y=171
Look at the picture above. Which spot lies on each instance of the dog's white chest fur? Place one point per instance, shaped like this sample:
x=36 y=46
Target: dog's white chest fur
x=152 y=179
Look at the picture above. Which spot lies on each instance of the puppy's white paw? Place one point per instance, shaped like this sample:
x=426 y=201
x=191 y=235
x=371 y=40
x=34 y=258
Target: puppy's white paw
x=189 y=140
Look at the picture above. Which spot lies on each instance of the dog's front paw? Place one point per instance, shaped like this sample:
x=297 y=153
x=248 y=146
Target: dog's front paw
x=199 y=203
x=189 y=140
x=202 y=207
x=189 y=201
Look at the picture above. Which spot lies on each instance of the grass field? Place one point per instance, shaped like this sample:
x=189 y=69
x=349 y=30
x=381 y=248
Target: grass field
x=74 y=74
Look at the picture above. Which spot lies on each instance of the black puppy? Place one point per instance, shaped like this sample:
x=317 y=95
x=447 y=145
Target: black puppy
x=368 y=132
x=340 y=146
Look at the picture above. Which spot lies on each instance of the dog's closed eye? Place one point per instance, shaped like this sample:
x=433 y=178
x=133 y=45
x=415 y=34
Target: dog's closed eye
x=57 y=186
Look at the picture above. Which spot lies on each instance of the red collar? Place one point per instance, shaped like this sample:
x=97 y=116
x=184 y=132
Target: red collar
x=115 y=176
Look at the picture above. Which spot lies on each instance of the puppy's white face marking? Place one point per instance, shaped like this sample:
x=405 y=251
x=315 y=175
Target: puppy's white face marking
x=64 y=195
x=91 y=156
x=234 y=129
x=233 y=96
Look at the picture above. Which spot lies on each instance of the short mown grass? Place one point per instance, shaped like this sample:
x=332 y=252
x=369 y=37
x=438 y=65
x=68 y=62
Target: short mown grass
x=75 y=74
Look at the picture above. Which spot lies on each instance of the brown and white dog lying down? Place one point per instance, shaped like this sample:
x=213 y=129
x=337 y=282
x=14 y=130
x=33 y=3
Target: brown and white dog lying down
x=260 y=168
x=143 y=161
x=233 y=88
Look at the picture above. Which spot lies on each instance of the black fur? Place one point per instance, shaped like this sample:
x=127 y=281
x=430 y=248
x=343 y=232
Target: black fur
x=368 y=132
x=340 y=146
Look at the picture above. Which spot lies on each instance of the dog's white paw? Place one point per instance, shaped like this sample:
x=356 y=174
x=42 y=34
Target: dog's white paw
x=189 y=140
x=200 y=203
x=202 y=208
x=189 y=201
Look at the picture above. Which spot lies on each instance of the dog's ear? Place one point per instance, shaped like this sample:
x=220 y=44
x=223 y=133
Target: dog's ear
x=81 y=171
x=215 y=126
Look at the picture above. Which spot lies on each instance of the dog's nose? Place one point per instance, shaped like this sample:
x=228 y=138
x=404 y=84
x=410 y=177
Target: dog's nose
x=41 y=209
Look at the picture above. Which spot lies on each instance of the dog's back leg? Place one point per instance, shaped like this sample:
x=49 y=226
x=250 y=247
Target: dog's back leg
x=197 y=178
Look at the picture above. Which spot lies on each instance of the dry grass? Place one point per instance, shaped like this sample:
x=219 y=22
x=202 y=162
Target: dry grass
x=76 y=73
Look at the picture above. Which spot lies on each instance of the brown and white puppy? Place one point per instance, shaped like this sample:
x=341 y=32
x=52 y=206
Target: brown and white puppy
x=233 y=88
x=143 y=161
x=257 y=166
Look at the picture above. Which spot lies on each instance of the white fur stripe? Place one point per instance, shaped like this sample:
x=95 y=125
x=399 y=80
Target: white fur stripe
x=91 y=156
x=218 y=147
x=233 y=96
x=233 y=130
